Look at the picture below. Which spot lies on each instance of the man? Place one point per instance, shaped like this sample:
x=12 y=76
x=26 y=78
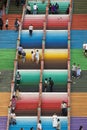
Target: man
x=18 y=78
x=35 y=8
x=85 y=48
x=64 y=108
x=1 y=24
x=51 y=83
x=30 y=29
x=54 y=118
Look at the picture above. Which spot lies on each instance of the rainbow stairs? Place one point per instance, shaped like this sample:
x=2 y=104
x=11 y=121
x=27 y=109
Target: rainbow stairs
x=7 y=56
x=8 y=44
x=51 y=39
x=79 y=86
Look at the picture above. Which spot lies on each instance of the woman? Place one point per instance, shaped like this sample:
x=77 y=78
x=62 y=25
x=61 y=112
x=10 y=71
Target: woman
x=54 y=120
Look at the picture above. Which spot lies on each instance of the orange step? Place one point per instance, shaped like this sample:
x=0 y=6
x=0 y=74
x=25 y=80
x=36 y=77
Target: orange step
x=11 y=18
x=79 y=22
x=4 y=102
x=78 y=104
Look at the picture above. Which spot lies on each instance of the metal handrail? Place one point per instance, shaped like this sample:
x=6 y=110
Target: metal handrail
x=7 y=6
x=69 y=70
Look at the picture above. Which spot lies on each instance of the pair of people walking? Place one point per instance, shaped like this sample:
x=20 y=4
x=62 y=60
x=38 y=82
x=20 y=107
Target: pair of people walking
x=48 y=82
x=35 y=55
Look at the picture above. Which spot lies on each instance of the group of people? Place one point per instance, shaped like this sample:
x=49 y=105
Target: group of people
x=12 y=115
x=53 y=8
x=16 y=24
x=12 y=118
x=76 y=71
x=48 y=83
x=35 y=56
x=15 y=97
x=2 y=23
x=34 y=11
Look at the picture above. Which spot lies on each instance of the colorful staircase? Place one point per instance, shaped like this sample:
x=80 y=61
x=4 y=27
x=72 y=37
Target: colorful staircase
x=8 y=40
x=33 y=75
x=78 y=86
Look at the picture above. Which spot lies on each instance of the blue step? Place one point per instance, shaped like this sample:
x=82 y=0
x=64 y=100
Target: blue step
x=47 y=123
x=8 y=39
x=54 y=39
x=77 y=38
x=28 y=122
x=25 y=122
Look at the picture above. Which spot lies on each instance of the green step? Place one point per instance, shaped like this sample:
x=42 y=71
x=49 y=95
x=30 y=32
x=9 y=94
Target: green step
x=13 y=9
x=80 y=7
x=78 y=57
x=58 y=76
x=42 y=6
x=32 y=77
x=7 y=57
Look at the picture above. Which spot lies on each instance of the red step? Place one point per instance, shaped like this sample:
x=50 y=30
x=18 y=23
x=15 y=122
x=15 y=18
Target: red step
x=79 y=22
x=53 y=21
x=11 y=18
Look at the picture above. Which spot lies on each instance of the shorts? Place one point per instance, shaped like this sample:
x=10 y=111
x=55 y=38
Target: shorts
x=86 y=51
x=6 y=25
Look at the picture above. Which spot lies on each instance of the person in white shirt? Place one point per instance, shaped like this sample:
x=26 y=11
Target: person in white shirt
x=74 y=67
x=28 y=9
x=20 y=50
x=30 y=30
x=54 y=118
x=6 y=24
x=33 y=53
x=39 y=125
x=85 y=48
x=63 y=109
x=78 y=71
x=12 y=118
x=35 y=8
x=37 y=56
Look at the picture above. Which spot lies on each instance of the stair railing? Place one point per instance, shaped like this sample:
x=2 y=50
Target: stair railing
x=7 y=6
x=42 y=64
x=69 y=70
